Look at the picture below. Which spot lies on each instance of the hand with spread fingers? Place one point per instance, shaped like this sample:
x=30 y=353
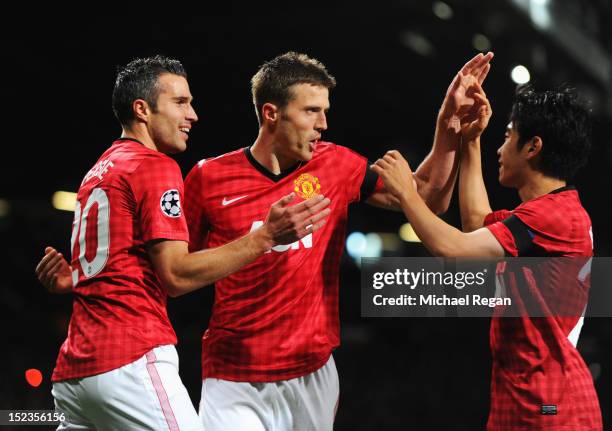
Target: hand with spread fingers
x=459 y=98
x=54 y=272
x=395 y=172
x=287 y=224
x=477 y=119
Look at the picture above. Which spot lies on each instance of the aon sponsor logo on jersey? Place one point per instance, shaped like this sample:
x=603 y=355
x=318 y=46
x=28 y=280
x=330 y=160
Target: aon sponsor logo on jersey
x=305 y=242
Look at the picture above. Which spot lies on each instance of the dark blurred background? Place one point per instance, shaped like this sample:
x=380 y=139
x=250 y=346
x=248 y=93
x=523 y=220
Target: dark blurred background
x=393 y=63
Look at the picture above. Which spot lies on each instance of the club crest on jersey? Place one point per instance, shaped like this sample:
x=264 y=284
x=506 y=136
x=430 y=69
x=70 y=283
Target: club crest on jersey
x=170 y=203
x=307 y=186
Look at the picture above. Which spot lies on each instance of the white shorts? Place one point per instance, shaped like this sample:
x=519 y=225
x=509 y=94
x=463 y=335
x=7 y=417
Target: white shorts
x=303 y=404
x=147 y=394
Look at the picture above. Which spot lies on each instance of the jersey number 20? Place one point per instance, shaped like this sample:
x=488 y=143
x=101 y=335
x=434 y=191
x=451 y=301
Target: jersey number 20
x=92 y=267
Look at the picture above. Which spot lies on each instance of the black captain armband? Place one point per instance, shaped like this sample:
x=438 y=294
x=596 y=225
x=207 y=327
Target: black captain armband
x=523 y=236
x=369 y=183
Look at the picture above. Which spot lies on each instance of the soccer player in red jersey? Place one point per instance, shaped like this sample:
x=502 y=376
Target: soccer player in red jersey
x=266 y=355
x=118 y=368
x=539 y=379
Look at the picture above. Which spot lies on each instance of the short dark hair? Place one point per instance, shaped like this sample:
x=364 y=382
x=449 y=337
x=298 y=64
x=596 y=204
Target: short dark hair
x=272 y=82
x=138 y=80
x=562 y=122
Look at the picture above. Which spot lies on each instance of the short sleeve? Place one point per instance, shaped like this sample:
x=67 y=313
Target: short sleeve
x=360 y=181
x=157 y=186
x=496 y=216
x=495 y=223
x=516 y=237
x=371 y=184
x=194 y=207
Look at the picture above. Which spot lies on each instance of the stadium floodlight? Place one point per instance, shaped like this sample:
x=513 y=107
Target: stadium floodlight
x=64 y=201
x=442 y=10
x=520 y=74
x=408 y=234
x=356 y=244
x=5 y=207
x=481 y=43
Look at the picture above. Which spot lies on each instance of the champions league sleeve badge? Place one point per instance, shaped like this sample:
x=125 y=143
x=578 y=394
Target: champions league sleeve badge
x=170 y=203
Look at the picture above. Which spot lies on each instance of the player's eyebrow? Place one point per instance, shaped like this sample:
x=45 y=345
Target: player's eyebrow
x=183 y=99
x=317 y=108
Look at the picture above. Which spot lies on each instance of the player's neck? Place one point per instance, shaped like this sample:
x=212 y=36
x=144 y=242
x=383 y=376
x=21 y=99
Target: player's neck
x=264 y=151
x=141 y=136
x=538 y=186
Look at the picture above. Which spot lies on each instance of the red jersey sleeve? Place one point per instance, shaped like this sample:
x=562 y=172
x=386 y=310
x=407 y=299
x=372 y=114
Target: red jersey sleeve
x=195 y=208
x=495 y=223
x=361 y=182
x=379 y=185
x=157 y=186
x=557 y=224
x=544 y=225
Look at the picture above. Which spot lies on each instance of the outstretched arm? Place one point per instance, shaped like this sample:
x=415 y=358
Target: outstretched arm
x=440 y=238
x=473 y=198
x=182 y=272
x=436 y=175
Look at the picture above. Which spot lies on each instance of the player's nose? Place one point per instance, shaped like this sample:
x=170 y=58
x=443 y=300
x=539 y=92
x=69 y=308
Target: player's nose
x=321 y=123
x=191 y=115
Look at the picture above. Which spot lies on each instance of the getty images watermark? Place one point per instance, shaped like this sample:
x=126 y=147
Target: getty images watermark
x=511 y=287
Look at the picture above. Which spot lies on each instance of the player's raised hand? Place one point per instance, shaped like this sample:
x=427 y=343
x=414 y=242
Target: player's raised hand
x=477 y=119
x=459 y=96
x=287 y=224
x=54 y=272
x=395 y=172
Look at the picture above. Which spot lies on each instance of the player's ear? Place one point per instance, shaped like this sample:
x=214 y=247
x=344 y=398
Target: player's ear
x=533 y=147
x=270 y=113
x=141 y=110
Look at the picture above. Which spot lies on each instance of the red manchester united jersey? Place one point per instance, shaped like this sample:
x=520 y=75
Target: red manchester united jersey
x=131 y=196
x=539 y=379
x=277 y=318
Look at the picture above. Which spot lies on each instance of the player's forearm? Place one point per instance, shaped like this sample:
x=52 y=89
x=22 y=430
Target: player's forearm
x=440 y=238
x=182 y=272
x=438 y=172
x=385 y=200
x=473 y=198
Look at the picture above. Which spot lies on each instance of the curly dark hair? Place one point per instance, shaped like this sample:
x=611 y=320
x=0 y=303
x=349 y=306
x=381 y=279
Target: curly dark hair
x=561 y=121
x=138 y=80
x=274 y=78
